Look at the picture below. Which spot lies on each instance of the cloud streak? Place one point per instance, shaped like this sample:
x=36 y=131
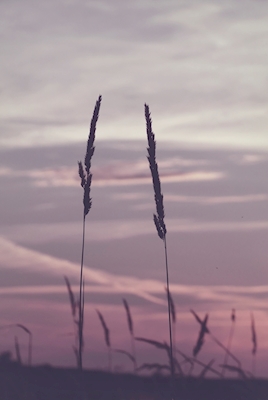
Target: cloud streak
x=214 y=200
x=101 y=282
x=67 y=176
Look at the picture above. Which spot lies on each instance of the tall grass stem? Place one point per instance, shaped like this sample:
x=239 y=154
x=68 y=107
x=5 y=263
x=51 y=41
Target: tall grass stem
x=81 y=295
x=86 y=178
x=169 y=310
x=160 y=214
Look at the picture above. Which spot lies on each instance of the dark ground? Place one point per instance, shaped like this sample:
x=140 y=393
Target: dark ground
x=49 y=383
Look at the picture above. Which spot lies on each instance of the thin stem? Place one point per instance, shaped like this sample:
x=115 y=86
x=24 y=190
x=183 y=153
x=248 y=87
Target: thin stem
x=133 y=347
x=169 y=312
x=253 y=364
x=226 y=350
x=110 y=359
x=228 y=347
x=174 y=337
x=30 y=349
x=81 y=310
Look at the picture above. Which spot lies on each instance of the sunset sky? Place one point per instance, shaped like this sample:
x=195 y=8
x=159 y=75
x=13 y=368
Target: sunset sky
x=202 y=68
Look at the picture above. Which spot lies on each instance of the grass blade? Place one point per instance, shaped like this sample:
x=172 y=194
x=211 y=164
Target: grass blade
x=106 y=337
x=71 y=296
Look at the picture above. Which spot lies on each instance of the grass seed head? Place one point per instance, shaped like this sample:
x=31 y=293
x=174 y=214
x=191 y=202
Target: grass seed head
x=233 y=315
x=201 y=337
x=129 y=318
x=105 y=329
x=91 y=137
x=253 y=334
x=73 y=302
x=81 y=173
x=159 y=218
x=87 y=199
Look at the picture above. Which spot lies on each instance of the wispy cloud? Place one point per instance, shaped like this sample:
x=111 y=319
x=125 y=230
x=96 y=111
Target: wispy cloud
x=200 y=200
x=209 y=200
x=108 y=176
x=249 y=159
x=101 y=282
x=216 y=226
x=18 y=257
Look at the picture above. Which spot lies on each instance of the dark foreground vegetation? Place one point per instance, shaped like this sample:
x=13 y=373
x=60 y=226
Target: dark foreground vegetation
x=48 y=383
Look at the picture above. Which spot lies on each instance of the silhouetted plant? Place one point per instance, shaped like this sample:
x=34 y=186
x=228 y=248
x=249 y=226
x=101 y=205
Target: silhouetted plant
x=232 y=368
x=30 y=342
x=131 y=331
x=201 y=336
x=17 y=350
x=231 y=334
x=129 y=355
x=173 y=318
x=160 y=214
x=74 y=310
x=158 y=345
x=106 y=337
x=30 y=345
x=86 y=177
x=254 y=341
x=204 y=329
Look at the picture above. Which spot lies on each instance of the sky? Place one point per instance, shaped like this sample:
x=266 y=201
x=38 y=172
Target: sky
x=202 y=68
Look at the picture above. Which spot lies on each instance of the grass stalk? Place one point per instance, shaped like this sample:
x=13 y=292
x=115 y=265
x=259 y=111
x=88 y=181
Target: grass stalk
x=81 y=295
x=74 y=308
x=30 y=344
x=17 y=350
x=173 y=315
x=131 y=331
x=86 y=177
x=160 y=215
x=204 y=329
x=254 y=342
x=231 y=334
x=106 y=338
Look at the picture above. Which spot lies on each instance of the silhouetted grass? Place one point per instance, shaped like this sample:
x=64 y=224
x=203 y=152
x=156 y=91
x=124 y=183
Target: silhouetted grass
x=254 y=342
x=17 y=350
x=233 y=319
x=160 y=214
x=106 y=337
x=131 y=331
x=86 y=177
x=179 y=365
